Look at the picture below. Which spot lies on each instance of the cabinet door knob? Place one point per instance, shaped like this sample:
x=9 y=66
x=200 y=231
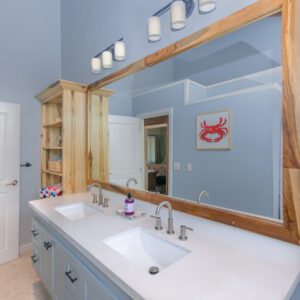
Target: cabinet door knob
x=47 y=245
x=34 y=233
x=68 y=274
x=34 y=259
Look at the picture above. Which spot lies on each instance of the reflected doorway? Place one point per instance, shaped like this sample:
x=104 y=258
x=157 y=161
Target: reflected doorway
x=156 y=132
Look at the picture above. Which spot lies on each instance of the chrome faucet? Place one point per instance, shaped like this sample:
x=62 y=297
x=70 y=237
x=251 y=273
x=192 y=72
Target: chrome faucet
x=202 y=194
x=131 y=179
x=170 y=219
x=98 y=195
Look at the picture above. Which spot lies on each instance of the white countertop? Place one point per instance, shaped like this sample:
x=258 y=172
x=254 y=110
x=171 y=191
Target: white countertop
x=225 y=262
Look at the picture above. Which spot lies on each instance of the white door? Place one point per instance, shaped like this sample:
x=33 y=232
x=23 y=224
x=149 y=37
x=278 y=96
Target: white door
x=9 y=181
x=126 y=151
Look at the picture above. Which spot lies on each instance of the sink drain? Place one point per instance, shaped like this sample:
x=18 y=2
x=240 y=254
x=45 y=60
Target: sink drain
x=153 y=270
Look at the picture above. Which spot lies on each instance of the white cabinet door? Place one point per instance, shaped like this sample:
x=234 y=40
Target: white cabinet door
x=96 y=290
x=47 y=260
x=74 y=277
x=58 y=271
x=9 y=181
x=36 y=260
x=126 y=151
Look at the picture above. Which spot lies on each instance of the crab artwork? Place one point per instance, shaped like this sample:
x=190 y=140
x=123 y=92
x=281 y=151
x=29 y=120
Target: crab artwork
x=213 y=133
x=213 y=130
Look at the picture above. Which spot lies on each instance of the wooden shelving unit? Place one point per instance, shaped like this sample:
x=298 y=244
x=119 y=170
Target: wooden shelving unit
x=63 y=134
x=52 y=173
x=56 y=124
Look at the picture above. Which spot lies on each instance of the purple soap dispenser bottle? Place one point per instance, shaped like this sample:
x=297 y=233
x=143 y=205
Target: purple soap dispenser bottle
x=129 y=205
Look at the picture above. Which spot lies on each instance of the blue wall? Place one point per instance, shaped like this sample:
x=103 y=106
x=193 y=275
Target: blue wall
x=241 y=178
x=29 y=61
x=90 y=26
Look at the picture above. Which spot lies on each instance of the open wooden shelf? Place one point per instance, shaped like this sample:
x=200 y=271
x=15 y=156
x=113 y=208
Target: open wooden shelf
x=52 y=148
x=63 y=125
x=56 y=124
x=52 y=173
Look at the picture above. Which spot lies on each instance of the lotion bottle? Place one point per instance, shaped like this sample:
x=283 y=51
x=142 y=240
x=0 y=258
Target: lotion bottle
x=129 y=205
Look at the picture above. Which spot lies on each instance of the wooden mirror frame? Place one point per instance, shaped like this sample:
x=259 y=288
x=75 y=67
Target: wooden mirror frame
x=289 y=229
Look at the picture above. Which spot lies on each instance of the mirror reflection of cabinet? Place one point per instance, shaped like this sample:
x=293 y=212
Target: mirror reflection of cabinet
x=97 y=135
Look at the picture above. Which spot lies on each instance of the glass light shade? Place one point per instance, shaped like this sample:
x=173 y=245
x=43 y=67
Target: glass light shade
x=178 y=15
x=96 y=65
x=107 y=59
x=206 y=6
x=119 y=51
x=154 y=30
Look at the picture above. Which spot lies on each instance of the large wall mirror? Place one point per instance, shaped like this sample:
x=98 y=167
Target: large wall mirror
x=207 y=127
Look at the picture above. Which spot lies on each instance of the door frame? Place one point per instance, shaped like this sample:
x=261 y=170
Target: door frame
x=158 y=113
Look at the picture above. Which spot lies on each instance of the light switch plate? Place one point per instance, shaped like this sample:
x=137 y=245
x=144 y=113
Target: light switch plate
x=189 y=167
x=176 y=166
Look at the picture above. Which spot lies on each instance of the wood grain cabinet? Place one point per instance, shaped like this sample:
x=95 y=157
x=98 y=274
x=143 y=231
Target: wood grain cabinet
x=63 y=135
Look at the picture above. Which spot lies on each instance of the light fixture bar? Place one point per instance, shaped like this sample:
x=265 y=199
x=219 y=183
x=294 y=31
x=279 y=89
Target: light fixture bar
x=189 y=4
x=109 y=48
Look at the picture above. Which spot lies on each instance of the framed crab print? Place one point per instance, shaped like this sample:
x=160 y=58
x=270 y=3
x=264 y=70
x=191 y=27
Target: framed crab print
x=214 y=130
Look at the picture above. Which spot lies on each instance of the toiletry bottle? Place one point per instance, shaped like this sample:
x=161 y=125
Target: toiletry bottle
x=129 y=205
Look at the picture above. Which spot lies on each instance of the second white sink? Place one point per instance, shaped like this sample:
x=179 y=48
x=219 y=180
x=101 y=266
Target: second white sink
x=76 y=211
x=146 y=249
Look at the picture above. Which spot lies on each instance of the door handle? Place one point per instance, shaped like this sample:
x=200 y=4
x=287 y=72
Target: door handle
x=15 y=182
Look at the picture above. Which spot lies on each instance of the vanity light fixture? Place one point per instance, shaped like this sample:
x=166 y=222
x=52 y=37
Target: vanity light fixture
x=154 y=31
x=206 y=6
x=96 y=65
x=119 y=51
x=178 y=15
x=116 y=51
x=107 y=59
x=180 y=11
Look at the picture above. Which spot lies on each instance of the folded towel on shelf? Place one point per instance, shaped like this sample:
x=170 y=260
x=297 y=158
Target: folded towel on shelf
x=51 y=191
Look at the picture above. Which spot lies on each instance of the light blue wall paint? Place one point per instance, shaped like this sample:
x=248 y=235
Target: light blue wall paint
x=241 y=178
x=254 y=48
x=120 y=101
x=245 y=52
x=90 y=26
x=29 y=61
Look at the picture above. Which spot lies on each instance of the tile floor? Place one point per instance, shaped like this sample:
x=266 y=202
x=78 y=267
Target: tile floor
x=18 y=281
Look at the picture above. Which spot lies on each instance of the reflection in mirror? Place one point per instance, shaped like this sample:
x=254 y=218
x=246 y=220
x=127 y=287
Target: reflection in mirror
x=208 y=120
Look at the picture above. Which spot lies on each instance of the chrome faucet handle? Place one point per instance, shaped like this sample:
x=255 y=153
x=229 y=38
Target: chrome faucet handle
x=170 y=226
x=183 y=229
x=158 y=222
x=94 y=198
x=100 y=199
x=105 y=202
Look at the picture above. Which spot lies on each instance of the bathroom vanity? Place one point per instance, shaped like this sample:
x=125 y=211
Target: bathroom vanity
x=77 y=251
x=231 y=170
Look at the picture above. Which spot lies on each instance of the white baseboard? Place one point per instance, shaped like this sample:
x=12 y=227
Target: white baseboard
x=25 y=248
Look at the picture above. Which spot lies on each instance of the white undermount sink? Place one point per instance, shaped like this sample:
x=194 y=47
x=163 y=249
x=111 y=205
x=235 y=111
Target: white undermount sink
x=146 y=249
x=76 y=211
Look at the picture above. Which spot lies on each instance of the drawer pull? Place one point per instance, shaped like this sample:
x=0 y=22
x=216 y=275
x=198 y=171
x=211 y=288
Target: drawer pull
x=47 y=245
x=34 y=259
x=68 y=274
x=34 y=233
